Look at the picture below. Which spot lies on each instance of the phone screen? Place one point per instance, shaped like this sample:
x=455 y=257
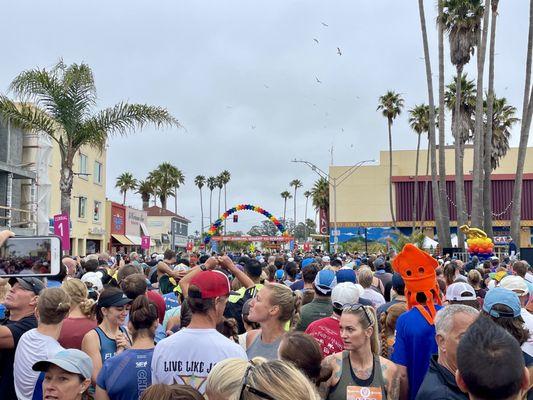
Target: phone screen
x=30 y=255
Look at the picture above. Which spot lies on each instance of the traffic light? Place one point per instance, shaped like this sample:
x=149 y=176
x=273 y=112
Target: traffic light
x=235 y=218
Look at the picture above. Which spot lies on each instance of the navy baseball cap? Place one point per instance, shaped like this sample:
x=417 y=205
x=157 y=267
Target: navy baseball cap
x=346 y=275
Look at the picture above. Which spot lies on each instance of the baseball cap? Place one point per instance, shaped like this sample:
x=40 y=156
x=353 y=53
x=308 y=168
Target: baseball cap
x=500 y=295
x=379 y=263
x=210 y=284
x=346 y=275
x=30 y=283
x=279 y=274
x=498 y=276
x=345 y=293
x=398 y=282
x=117 y=299
x=326 y=259
x=325 y=281
x=71 y=360
x=94 y=279
x=494 y=258
x=460 y=291
x=307 y=261
x=516 y=284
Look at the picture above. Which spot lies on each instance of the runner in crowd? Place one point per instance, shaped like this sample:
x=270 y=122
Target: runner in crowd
x=20 y=302
x=326 y=330
x=321 y=306
x=67 y=375
x=109 y=337
x=82 y=316
x=476 y=281
x=397 y=294
x=489 y=363
x=451 y=322
x=41 y=342
x=462 y=293
x=171 y=392
x=365 y=278
x=359 y=369
x=387 y=324
x=274 y=307
x=128 y=374
x=304 y=353
x=188 y=355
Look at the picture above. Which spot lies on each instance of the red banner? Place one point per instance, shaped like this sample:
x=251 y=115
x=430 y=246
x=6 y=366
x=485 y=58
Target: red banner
x=252 y=238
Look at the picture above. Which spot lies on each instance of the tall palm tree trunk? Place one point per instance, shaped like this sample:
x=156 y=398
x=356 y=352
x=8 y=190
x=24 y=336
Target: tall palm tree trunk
x=478 y=211
x=425 y=199
x=527 y=109
x=295 y=189
x=176 y=200
x=124 y=198
x=219 y=193
x=444 y=232
x=305 y=217
x=225 y=206
x=415 y=200
x=437 y=209
x=391 y=203
x=459 y=174
x=211 y=207
x=201 y=212
x=487 y=190
x=284 y=211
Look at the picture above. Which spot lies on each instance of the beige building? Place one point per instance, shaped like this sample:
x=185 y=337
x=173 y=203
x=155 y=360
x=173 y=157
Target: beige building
x=167 y=229
x=363 y=196
x=87 y=208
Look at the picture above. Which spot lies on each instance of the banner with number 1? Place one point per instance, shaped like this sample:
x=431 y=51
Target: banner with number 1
x=62 y=229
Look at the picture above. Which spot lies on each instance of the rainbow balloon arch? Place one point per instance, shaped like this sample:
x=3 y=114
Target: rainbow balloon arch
x=242 y=207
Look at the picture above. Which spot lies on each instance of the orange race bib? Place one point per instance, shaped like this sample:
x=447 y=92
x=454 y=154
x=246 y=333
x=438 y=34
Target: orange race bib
x=363 y=393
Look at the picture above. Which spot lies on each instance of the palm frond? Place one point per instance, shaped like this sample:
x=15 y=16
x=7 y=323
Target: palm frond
x=27 y=117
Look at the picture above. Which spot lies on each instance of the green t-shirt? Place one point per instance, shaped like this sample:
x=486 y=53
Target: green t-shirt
x=317 y=309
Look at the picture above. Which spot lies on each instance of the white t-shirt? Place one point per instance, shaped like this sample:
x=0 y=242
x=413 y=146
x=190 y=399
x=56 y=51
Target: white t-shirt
x=527 y=347
x=187 y=356
x=376 y=298
x=32 y=347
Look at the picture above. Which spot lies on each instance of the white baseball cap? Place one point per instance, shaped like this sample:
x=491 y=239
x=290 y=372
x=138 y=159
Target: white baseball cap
x=460 y=291
x=94 y=278
x=326 y=259
x=515 y=284
x=345 y=293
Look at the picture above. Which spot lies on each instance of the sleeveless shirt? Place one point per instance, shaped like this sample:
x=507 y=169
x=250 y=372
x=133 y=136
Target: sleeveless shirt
x=260 y=349
x=108 y=346
x=350 y=387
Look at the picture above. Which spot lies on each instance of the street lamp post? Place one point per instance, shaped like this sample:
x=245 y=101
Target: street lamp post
x=334 y=182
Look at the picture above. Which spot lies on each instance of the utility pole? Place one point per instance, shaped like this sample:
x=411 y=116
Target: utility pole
x=334 y=182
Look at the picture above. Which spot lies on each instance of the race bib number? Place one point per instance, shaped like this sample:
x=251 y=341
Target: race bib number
x=363 y=393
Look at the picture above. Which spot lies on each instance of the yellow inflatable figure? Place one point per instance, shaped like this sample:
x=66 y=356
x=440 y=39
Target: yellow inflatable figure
x=472 y=233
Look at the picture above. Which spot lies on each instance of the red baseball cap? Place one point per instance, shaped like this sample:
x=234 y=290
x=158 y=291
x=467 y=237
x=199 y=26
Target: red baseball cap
x=211 y=284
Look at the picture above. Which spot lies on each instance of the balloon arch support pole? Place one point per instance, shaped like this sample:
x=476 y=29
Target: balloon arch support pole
x=211 y=233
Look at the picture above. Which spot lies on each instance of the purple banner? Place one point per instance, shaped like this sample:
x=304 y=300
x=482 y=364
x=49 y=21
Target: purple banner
x=61 y=229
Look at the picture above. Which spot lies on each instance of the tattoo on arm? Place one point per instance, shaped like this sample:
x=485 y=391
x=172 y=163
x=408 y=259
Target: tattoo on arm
x=394 y=390
x=338 y=367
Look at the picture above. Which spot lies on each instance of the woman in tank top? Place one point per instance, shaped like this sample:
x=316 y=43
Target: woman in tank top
x=109 y=337
x=359 y=371
x=274 y=305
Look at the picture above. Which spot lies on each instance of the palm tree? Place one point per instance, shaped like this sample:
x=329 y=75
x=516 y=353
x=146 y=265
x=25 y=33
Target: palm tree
x=285 y=196
x=199 y=181
x=211 y=185
x=307 y=193
x=152 y=179
x=61 y=102
x=145 y=189
x=296 y=184
x=390 y=104
x=419 y=122
x=503 y=120
x=527 y=110
x=489 y=133
x=181 y=180
x=220 y=185
x=125 y=182
x=461 y=19
x=442 y=208
x=320 y=195
x=166 y=177
x=226 y=177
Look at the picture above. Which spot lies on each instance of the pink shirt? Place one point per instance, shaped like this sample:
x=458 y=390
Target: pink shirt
x=73 y=331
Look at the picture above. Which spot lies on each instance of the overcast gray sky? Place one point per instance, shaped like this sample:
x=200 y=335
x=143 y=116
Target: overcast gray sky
x=241 y=76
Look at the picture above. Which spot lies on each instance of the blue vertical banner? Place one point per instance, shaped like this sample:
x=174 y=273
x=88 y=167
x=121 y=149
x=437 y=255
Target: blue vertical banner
x=214 y=246
x=291 y=245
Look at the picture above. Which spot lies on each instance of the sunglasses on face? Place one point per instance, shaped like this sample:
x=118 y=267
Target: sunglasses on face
x=357 y=307
x=246 y=386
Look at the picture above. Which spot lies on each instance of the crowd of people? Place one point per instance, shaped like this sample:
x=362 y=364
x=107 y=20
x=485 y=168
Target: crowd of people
x=275 y=326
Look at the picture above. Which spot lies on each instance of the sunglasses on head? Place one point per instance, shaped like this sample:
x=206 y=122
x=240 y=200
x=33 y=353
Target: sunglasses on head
x=246 y=386
x=357 y=307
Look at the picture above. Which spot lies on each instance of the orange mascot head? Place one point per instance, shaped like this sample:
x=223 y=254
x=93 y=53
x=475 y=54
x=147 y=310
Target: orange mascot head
x=417 y=269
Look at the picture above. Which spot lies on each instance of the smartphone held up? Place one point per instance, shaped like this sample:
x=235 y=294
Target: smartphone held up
x=30 y=255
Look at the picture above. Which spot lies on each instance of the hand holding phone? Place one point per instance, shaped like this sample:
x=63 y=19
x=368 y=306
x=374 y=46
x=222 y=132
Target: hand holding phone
x=29 y=255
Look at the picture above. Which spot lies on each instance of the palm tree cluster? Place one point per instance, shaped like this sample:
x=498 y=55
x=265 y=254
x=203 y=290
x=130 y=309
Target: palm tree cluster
x=482 y=119
x=61 y=102
x=220 y=181
x=161 y=183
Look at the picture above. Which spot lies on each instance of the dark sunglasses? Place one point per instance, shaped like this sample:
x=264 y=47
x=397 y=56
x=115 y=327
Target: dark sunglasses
x=357 y=307
x=246 y=386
